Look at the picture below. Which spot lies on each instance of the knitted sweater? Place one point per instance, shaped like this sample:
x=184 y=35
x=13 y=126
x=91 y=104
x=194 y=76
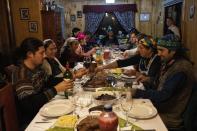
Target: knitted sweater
x=32 y=91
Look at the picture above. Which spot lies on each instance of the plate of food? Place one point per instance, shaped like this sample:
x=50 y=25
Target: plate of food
x=87 y=123
x=90 y=123
x=104 y=97
x=57 y=108
x=142 y=111
x=64 y=123
x=127 y=77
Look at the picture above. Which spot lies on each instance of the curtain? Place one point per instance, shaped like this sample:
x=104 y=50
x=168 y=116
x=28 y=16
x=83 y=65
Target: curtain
x=109 y=8
x=126 y=19
x=92 y=21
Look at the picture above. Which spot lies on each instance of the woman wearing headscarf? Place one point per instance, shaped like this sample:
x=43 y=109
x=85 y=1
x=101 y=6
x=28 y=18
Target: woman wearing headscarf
x=147 y=61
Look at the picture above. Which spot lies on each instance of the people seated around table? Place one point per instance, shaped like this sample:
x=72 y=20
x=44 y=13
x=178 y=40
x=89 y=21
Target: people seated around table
x=33 y=87
x=90 y=40
x=147 y=61
x=173 y=85
x=172 y=28
x=82 y=43
x=133 y=39
x=110 y=39
x=51 y=64
x=68 y=52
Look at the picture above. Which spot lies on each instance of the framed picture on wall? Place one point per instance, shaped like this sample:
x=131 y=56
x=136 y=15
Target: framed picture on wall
x=145 y=17
x=33 y=26
x=73 y=18
x=191 y=12
x=24 y=13
x=79 y=14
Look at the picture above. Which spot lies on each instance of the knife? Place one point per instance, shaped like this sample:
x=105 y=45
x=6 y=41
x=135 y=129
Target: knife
x=140 y=130
x=43 y=122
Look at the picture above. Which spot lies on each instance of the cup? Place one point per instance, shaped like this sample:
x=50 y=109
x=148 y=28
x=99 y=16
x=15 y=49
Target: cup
x=68 y=93
x=92 y=67
x=106 y=54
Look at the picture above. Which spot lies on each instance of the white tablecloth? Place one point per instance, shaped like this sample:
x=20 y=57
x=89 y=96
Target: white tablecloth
x=153 y=123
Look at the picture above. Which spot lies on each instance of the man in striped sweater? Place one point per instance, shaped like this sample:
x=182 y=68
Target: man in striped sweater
x=33 y=87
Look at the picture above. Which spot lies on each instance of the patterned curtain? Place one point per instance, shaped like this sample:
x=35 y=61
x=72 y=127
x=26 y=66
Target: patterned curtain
x=126 y=19
x=92 y=21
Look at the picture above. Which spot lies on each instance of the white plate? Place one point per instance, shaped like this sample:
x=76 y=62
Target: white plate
x=127 y=77
x=142 y=111
x=57 y=108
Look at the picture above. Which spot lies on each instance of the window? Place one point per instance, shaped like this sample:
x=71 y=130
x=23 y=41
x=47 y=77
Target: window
x=110 y=1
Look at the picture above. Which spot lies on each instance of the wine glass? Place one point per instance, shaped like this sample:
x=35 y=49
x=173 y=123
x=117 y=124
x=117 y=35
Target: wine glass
x=86 y=62
x=126 y=105
x=111 y=80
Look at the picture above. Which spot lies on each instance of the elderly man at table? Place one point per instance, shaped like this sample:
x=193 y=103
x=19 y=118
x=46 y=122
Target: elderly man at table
x=173 y=86
x=32 y=87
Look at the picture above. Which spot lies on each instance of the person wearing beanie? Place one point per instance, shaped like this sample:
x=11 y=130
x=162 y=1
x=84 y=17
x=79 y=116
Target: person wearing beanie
x=172 y=86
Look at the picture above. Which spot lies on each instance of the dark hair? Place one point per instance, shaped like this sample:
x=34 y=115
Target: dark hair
x=134 y=31
x=29 y=45
x=47 y=42
x=75 y=30
x=170 y=18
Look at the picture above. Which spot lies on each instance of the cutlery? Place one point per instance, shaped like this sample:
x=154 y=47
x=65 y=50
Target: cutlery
x=140 y=130
x=43 y=122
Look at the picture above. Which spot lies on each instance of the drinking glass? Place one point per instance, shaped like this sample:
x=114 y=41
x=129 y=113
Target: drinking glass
x=86 y=62
x=126 y=105
x=111 y=80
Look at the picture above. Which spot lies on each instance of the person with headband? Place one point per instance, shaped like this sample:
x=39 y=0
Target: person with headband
x=82 y=42
x=147 y=60
x=134 y=38
x=172 y=87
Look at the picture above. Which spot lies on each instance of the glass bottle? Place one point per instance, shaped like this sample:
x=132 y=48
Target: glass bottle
x=99 y=57
x=108 y=120
x=68 y=76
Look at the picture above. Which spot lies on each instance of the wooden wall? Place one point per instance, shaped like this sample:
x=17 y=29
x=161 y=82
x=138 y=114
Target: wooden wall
x=5 y=40
x=21 y=26
x=189 y=30
x=151 y=6
x=153 y=27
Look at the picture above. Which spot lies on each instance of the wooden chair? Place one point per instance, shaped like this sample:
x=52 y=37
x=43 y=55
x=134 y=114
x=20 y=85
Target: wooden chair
x=11 y=72
x=8 y=115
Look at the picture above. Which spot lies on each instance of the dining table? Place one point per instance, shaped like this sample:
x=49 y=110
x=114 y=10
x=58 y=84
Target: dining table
x=153 y=123
x=42 y=123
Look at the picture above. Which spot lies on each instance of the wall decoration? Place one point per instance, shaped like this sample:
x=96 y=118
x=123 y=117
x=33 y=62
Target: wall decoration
x=24 y=14
x=73 y=18
x=33 y=26
x=191 y=11
x=144 y=17
x=79 y=14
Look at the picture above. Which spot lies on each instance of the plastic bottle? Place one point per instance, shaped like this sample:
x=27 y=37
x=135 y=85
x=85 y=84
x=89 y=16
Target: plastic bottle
x=108 y=120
